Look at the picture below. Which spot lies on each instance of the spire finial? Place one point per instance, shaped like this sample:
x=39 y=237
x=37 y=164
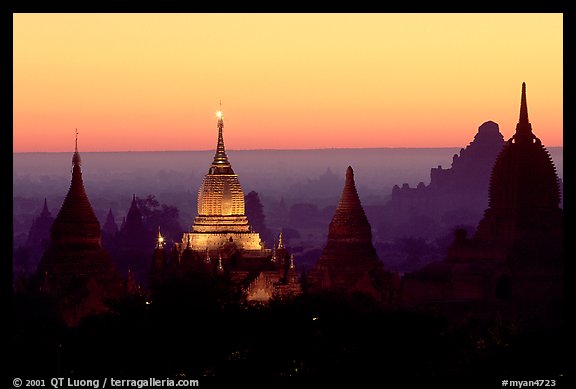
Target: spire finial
x=523 y=128
x=219 y=114
x=45 y=212
x=220 y=158
x=160 y=240
x=76 y=157
x=291 y=261
x=523 y=106
x=349 y=175
x=280 y=240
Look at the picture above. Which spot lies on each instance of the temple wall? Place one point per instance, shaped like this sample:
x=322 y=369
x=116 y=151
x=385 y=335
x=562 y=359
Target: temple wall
x=214 y=241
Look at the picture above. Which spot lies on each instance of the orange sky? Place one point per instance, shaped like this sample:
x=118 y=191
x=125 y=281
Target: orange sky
x=153 y=81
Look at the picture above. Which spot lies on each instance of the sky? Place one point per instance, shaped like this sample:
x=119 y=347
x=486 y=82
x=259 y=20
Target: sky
x=147 y=82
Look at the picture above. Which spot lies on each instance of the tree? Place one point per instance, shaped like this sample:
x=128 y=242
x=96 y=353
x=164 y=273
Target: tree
x=256 y=218
x=155 y=215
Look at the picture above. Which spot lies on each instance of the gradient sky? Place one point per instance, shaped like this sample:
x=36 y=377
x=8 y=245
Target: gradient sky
x=154 y=81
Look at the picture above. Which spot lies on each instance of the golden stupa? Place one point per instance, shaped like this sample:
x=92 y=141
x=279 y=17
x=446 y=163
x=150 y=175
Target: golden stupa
x=221 y=219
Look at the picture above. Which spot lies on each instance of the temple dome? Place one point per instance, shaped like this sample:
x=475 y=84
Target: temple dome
x=526 y=160
x=524 y=195
x=220 y=195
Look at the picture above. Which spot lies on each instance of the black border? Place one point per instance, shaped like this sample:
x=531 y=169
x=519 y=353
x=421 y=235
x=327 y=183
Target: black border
x=106 y=6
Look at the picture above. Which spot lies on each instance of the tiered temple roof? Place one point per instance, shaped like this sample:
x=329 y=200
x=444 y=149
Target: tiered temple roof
x=349 y=258
x=221 y=216
x=79 y=271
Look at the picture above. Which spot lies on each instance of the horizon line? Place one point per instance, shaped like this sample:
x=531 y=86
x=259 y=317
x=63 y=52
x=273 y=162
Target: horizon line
x=263 y=149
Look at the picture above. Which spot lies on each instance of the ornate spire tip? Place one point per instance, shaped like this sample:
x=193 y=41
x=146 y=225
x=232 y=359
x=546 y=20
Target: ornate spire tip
x=523 y=106
x=76 y=157
x=349 y=173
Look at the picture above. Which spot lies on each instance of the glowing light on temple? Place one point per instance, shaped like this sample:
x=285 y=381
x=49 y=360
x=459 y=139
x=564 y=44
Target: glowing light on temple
x=159 y=240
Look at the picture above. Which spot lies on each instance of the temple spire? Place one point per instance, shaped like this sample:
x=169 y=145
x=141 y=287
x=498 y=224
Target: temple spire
x=523 y=128
x=280 y=241
x=159 y=240
x=76 y=158
x=45 y=212
x=349 y=221
x=523 y=106
x=220 y=158
x=349 y=258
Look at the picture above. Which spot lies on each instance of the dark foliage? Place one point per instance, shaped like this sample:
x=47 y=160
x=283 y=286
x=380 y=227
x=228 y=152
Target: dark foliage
x=255 y=213
x=198 y=327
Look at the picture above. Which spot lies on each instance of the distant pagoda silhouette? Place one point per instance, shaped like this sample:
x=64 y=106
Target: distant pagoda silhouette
x=513 y=263
x=39 y=236
x=75 y=268
x=133 y=228
x=455 y=196
x=110 y=226
x=349 y=260
x=133 y=244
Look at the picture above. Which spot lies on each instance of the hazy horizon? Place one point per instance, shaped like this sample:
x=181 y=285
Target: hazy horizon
x=257 y=149
x=271 y=172
x=233 y=149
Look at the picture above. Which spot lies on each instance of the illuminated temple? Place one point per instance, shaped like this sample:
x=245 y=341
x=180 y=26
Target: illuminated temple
x=221 y=219
x=222 y=241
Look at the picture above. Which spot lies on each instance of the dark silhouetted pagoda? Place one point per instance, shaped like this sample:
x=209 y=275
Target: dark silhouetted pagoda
x=75 y=268
x=110 y=226
x=38 y=237
x=513 y=264
x=349 y=260
x=133 y=229
x=134 y=244
x=524 y=190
